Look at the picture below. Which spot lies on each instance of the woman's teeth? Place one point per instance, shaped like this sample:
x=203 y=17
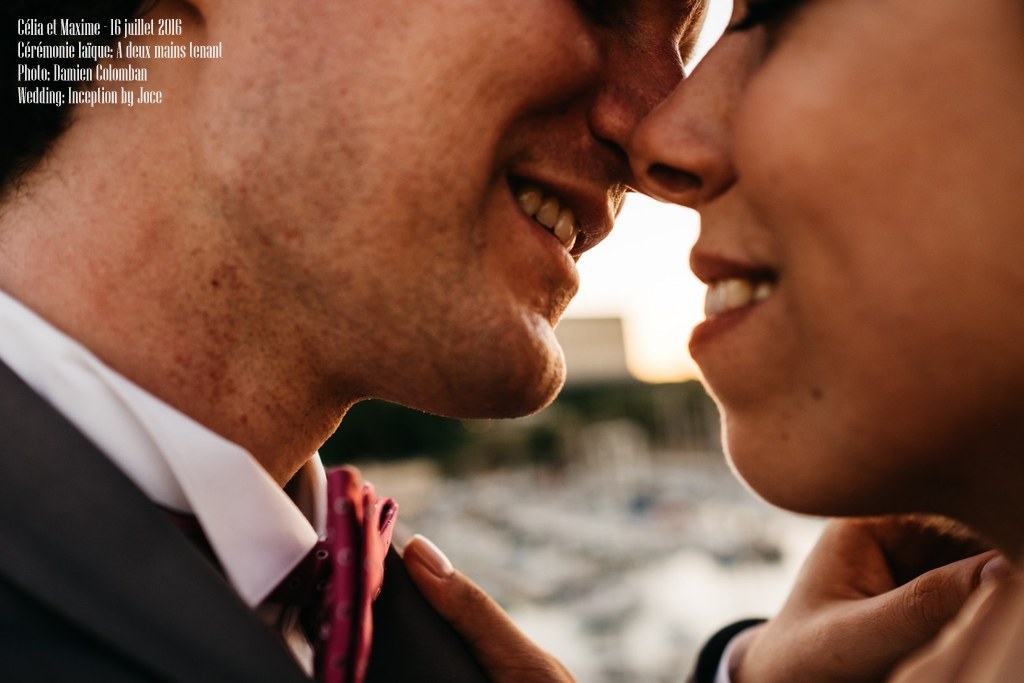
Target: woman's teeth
x=549 y=212
x=728 y=295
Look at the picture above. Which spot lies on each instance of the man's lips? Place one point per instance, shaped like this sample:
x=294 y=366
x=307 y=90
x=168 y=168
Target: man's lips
x=579 y=218
x=549 y=212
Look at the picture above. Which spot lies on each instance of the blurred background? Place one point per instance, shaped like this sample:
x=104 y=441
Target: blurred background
x=608 y=524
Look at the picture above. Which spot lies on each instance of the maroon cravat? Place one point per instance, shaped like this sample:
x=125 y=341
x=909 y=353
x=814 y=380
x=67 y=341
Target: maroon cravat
x=335 y=584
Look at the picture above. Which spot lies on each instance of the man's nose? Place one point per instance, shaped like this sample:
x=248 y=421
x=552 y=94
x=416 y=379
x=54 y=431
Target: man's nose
x=636 y=79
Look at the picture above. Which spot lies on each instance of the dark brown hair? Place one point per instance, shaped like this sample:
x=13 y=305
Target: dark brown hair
x=30 y=129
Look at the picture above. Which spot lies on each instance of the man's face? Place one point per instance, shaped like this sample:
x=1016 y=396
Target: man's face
x=375 y=158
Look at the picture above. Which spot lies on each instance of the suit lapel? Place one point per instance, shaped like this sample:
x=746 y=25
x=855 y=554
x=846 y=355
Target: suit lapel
x=78 y=535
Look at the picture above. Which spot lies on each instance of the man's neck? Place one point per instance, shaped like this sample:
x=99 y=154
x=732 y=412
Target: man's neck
x=154 y=290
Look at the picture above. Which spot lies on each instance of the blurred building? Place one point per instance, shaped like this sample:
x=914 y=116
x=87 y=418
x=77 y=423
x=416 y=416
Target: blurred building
x=595 y=350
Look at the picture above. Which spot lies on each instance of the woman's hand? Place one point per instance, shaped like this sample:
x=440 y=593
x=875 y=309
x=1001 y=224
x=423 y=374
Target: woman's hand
x=982 y=645
x=870 y=593
x=504 y=651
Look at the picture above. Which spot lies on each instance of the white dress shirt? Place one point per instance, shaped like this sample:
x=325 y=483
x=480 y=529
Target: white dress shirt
x=733 y=654
x=257 y=532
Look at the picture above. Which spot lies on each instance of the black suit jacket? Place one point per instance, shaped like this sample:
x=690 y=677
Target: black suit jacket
x=97 y=585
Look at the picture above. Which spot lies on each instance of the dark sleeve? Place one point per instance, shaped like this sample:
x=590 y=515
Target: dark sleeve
x=38 y=645
x=711 y=654
x=412 y=642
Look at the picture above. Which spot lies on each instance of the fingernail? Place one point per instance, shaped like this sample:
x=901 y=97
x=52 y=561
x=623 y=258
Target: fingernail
x=996 y=569
x=431 y=557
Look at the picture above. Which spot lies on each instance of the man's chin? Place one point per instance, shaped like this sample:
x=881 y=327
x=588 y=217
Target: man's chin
x=520 y=404
x=500 y=396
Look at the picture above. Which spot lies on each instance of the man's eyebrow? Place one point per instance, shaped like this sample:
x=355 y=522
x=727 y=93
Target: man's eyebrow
x=625 y=17
x=694 y=14
x=616 y=13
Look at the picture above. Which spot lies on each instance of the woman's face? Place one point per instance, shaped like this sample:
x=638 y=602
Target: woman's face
x=858 y=165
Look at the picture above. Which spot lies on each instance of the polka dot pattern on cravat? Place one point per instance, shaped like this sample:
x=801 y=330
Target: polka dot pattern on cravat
x=337 y=582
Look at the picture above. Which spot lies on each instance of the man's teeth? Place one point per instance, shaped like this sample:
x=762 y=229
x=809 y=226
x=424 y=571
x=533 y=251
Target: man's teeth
x=549 y=212
x=728 y=295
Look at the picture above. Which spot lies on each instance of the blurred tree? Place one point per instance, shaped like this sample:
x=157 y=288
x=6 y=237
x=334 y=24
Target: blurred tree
x=672 y=415
x=378 y=430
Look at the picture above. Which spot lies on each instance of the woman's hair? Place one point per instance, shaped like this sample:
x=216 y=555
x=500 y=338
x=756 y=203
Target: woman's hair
x=30 y=129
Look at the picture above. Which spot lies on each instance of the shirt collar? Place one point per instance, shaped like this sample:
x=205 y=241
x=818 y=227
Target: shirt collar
x=258 y=533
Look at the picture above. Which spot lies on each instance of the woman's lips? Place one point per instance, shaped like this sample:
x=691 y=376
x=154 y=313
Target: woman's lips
x=735 y=289
x=714 y=327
